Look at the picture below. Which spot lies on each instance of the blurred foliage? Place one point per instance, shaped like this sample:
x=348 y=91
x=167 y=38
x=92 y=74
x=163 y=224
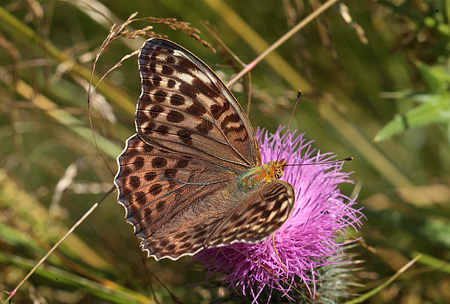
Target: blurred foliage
x=434 y=105
x=375 y=87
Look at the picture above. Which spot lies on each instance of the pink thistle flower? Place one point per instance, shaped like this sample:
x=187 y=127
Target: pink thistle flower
x=307 y=240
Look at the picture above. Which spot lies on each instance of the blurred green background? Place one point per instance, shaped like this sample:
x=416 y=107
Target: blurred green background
x=382 y=97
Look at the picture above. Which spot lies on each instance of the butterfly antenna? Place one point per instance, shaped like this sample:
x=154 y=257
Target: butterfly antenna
x=299 y=93
x=350 y=158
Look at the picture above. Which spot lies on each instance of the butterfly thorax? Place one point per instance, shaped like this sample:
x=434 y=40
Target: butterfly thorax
x=267 y=173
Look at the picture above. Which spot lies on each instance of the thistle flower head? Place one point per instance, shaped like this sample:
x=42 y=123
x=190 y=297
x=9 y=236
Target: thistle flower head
x=307 y=240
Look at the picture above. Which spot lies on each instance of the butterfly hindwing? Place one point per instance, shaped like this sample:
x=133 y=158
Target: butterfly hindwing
x=257 y=216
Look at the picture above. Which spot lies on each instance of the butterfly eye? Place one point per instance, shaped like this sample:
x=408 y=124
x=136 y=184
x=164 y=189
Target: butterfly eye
x=278 y=173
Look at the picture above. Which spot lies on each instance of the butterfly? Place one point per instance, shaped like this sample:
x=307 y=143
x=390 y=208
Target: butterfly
x=191 y=177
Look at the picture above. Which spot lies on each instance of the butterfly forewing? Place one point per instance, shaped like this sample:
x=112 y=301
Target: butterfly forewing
x=185 y=107
x=180 y=177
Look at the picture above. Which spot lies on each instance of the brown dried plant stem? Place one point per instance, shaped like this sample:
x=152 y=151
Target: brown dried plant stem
x=78 y=223
x=17 y=28
x=282 y=40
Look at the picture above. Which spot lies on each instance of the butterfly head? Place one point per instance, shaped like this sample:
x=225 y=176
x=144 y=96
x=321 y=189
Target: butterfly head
x=276 y=168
